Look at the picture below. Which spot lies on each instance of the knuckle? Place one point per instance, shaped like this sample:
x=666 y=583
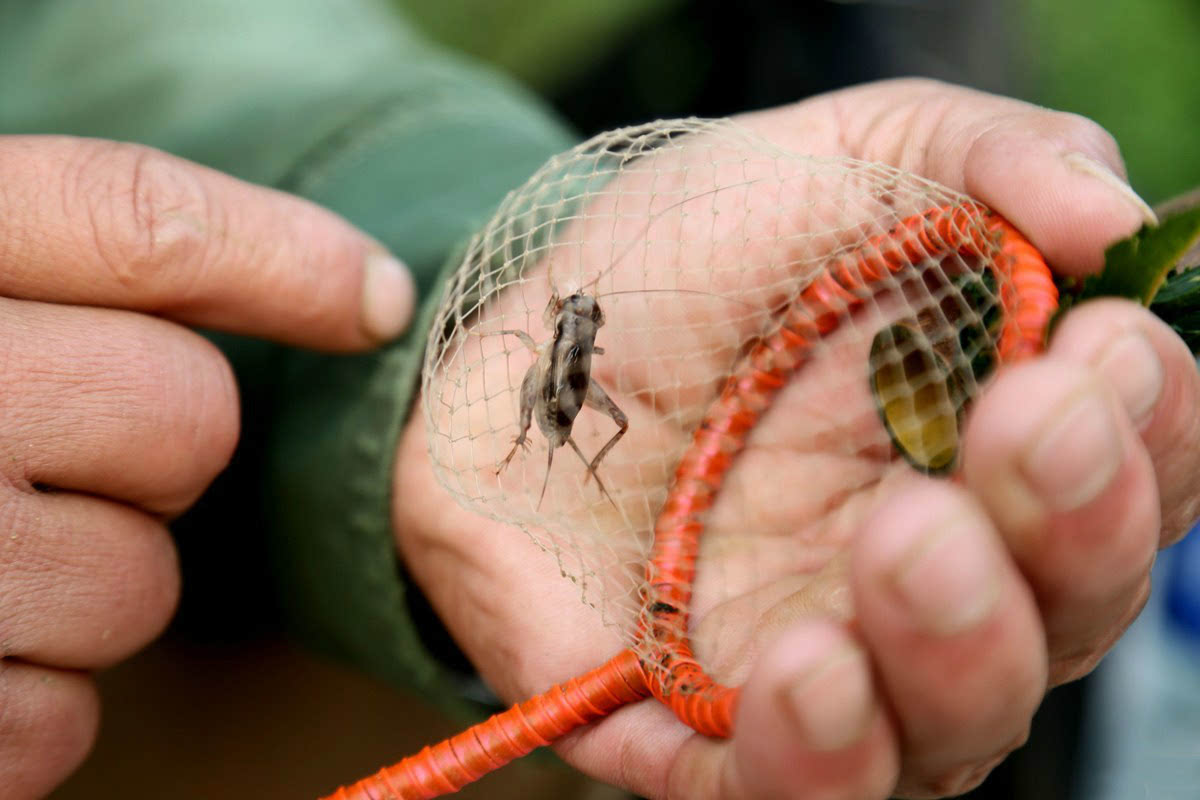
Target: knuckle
x=961 y=779
x=963 y=776
x=149 y=213
x=1073 y=654
x=187 y=403
x=82 y=606
x=50 y=726
x=918 y=85
x=206 y=414
x=18 y=189
x=19 y=557
x=220 y=410
x=1075 y=666
x=1173 y=442
x=142 y=594
x=75 y=723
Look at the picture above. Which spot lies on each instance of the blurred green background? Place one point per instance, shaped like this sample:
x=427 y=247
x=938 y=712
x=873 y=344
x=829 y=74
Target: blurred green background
x=1133 y=67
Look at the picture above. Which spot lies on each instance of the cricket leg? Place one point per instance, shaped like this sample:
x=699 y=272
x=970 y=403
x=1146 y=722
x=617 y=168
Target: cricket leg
x=597 y=399
x=525 y=338
x=591 y=471
x=528 y=396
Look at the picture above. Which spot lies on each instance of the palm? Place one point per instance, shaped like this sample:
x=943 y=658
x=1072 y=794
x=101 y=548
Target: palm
x=738 y=243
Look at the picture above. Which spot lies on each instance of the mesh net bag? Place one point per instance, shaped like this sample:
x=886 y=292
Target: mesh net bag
x=715 y=258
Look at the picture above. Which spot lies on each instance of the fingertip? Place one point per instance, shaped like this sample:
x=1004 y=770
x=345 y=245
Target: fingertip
x=1058 y=178
x=931 y=554
x=1062 y=454
x=1072 y=491
x=809 y=722
x=1115 y=337
x=49 y=725
x=954 y=633
x=825 y=692
x=388 y=297
x=1084 y=164
x=1154 y=376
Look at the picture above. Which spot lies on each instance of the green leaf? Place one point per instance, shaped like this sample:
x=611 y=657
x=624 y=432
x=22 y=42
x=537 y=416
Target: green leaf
x=1135 y=268
x=1178 y=304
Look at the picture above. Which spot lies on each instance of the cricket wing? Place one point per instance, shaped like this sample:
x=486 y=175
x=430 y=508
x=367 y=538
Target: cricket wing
x=566 y=389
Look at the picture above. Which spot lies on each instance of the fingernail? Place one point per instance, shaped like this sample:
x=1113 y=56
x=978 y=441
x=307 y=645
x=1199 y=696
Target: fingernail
x=1075 y=455
x=1133 y=369
x=832 y=702
x=949 y=578
x=1090 y=166
x=388 y=296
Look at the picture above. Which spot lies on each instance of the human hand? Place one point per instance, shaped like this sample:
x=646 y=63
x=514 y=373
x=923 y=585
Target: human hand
x=114 y=416
x=1029 y=569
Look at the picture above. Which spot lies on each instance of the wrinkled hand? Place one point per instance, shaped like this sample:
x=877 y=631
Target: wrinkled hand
x=113 y=416
x=970 y=599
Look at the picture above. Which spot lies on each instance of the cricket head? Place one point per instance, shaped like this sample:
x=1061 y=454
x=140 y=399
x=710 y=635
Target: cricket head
x=576 y=305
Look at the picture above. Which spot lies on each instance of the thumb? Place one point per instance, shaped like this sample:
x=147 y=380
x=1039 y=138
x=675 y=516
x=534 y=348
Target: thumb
x=1059 y=179
x=118 y=225
x=1056 y=176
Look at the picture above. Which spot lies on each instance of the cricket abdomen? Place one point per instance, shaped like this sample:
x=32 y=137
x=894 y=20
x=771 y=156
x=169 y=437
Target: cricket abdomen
x=569 y=370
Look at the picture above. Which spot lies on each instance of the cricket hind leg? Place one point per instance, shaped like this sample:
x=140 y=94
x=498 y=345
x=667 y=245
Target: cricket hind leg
x=599 y=400
x=591 y=471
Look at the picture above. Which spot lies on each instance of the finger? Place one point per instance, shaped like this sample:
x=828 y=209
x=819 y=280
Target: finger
x=86 y=582
x=954 y=633
x=48 y=724
x=1058 y=177
x=113 y=403
x=1155 y=377
x=101 y=223
x=1072 y=490
x=809 y=725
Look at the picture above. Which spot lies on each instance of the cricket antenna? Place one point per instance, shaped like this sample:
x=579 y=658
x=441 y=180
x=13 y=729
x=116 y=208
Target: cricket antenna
x=645 y=229
x=674 y=291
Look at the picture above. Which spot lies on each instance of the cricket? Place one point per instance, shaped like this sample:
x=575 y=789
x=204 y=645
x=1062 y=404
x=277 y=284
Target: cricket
x=559 y=383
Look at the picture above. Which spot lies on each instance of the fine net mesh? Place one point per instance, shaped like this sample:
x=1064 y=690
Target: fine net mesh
x=694 y=237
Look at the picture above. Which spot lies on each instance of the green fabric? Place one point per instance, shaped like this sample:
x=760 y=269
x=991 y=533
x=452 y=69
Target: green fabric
x=339 y=101
x=546 y=45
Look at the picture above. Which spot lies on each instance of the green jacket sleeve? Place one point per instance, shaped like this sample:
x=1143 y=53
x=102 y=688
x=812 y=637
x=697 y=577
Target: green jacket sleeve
x=338 y=101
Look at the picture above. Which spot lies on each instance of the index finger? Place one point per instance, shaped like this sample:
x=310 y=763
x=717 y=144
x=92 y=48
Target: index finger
x=91 y=222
